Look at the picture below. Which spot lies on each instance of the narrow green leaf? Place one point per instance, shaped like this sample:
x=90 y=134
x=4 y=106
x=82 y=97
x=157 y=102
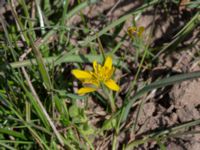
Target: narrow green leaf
x=41 y=65
x=170 y=132
x=180 y=36
x=65 y=58
x=12 y=133
x=158 y=84
x=161 y=145
x=18 y=142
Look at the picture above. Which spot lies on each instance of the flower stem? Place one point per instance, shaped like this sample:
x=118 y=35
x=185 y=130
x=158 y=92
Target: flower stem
x=110 y=98
x=112 y=102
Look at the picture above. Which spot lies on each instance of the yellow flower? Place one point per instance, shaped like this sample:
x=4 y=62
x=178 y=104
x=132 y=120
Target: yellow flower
x=134 y=31
x=92 y=80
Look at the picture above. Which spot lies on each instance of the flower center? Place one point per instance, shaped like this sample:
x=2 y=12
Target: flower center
x=101 y=73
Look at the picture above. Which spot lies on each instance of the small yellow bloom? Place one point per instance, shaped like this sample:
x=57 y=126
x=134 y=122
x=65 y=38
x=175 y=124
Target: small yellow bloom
x=92 y=80
x=135 y=32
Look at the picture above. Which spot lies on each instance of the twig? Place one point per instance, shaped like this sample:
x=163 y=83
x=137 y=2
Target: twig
x=118 y=2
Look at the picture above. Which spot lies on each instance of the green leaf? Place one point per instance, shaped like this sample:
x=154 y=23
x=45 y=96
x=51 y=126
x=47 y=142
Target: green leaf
x=158 y=84
x=73 y=111
x=12 y=133
x=110 y=124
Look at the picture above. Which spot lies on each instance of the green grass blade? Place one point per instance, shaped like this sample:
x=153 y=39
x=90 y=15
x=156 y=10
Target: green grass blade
x=34 y=134
x=158 y=84
x=67 y=17
x=161 y=145
x=6 y=146
x=66 y=58
x=118 y=21
x=170 y=132
x=180 y=36
x=79 y=8
x=18 y=142
x=12 y=133
x=41 y=65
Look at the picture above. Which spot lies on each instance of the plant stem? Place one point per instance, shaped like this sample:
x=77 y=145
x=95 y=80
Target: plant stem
x=112 y=102
x=110 y=98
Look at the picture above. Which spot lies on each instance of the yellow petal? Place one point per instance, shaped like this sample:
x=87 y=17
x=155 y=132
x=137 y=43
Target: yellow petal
x=109 y=73
x=91 y=82
x=108 y=63
x=112 y=85
x=85 y=90
x=140 y=31
x=131 y=30
x=95 y=66
x=79 y=74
